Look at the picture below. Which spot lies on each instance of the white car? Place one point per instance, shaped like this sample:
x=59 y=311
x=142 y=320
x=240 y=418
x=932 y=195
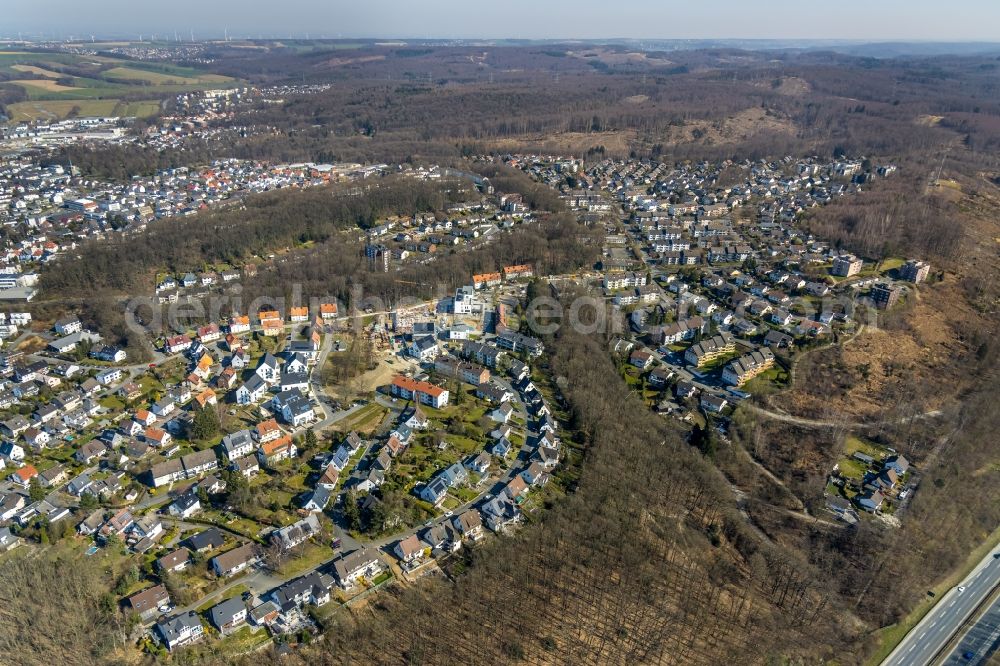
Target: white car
x=960 y=588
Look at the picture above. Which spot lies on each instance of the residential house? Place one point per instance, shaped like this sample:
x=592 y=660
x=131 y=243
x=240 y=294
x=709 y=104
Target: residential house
x=229 y=615
x=146 y=603
x=22 y=476
x=185 y=506
x=209 y=333
x=157 y=437
x=199 y=462
x=409 y=550
x=236 y=560
x=175 y=560
x=535 y=475
x=180 y=630
x=248 y=466
x=8 y=540
x=268 y=369
x=164 y=407
x=53 y=476
x=479 y=464
x=297 y=533
x=274 y=451
x=349 y=569
x=12 y=453
x=312 y=589
x=266 y=431
x=90 y=451
x=500 y=513
x=745 y=368
x=469 y=524
x=871 y=500
x=422 y=392
x=515 y=488
x=237 y=444
x=423 y=348
x=205 y=541
x=252 y=391
x=239 y=324
x=434 y=491
x=518 y=343
x=713 y=403
x=68 y=325
x=177 y=344
x=165 y=473
x=641 y=359
x=297 y=411
x=502 y=414
x=899 y=464
x=10 y=505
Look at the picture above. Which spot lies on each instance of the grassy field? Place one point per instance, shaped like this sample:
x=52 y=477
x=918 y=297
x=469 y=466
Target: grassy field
x=34 y=86
x=60 y=109
x=97 y=84
x=31 y=69
x=162 y=78
x=312 y=556
x=365 y=420
x=234 y=591
x=854 y=444
x=890 y=264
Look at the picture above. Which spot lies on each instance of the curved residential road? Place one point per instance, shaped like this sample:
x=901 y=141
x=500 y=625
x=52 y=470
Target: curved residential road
x=923 y=645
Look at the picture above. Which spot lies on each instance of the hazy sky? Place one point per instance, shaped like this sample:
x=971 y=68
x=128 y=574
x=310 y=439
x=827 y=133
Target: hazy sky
x=954 y=20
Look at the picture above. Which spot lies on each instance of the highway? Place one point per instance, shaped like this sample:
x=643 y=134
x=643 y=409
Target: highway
x=980 y=642
x=925 y=641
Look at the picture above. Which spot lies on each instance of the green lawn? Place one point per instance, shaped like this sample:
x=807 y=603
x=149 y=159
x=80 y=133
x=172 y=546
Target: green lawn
x=381 y=578
x=364 y=420
x=165 y=78
x=312 y=557
x=465 y=494
x=852 y=469
x=854 y=444
x=718 y=362
x=767 y=382
x=112 y=402
x=234 y=591
x=243 y=641
x=891 y=263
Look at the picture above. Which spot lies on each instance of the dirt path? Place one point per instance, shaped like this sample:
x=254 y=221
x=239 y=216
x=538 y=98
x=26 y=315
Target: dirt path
x=817 y=423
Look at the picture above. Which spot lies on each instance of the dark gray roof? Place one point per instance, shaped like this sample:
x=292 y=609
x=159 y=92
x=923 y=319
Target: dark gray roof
x=235 y=440
x=221 y=614
x=210 y=538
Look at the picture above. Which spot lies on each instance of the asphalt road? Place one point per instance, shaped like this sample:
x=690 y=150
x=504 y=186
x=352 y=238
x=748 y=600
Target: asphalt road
x=980 y=642
x=932 y=633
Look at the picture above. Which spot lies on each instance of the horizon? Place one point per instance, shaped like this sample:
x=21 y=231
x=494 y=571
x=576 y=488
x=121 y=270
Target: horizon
x=855 y=21
x=152 y=37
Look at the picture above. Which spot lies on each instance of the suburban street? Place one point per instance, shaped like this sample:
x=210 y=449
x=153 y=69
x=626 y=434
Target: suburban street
x=932 y=634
